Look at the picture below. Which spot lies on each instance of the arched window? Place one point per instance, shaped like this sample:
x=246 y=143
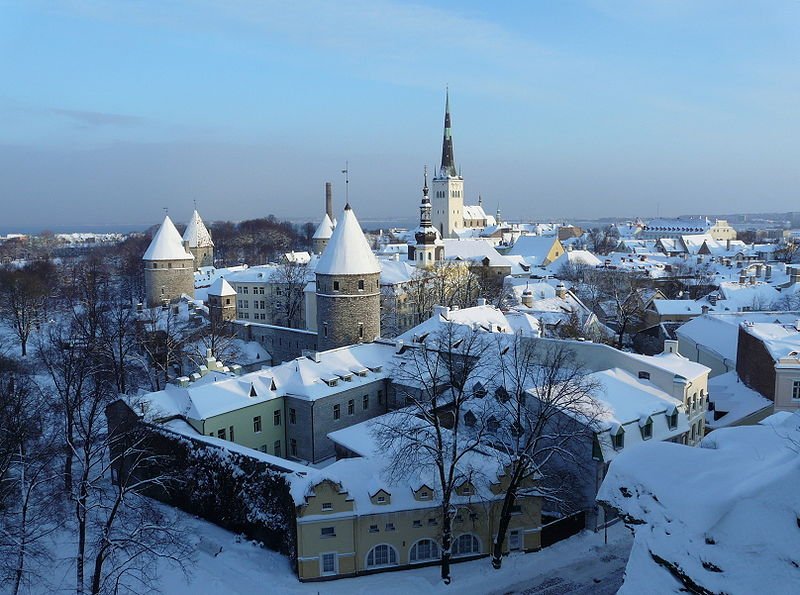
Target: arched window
x=424 y=550
x=466 y=544
x=381 y=555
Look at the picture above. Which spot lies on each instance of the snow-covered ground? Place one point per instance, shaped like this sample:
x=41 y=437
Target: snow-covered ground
x=226 y=563
x=245 y=568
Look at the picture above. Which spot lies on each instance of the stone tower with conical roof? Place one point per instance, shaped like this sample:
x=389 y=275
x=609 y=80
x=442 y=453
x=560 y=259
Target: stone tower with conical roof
x=198 y=239
x=325 y=229
x=168 y=266
x=447 y=201
x=428 y=247
x=348 y=287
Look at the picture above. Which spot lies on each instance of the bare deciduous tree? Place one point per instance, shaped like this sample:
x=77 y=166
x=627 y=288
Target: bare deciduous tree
x=426 y=436
x=23 y=296
x=542 y=414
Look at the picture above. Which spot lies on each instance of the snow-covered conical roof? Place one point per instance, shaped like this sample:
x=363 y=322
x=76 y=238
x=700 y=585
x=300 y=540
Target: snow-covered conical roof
x=221 y=287
x=167 y=244
x=196 y=232
x=325 y=229
x=348 y=252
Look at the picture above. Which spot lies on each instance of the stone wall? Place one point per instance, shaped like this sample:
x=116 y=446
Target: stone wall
x=347 y=315
x=167 y=280
x=282 y=343
x=203 y=257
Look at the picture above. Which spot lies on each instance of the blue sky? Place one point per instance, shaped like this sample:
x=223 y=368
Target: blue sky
x=112 y=110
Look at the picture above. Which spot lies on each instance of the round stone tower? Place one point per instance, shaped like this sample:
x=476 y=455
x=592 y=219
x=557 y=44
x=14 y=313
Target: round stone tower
x=348 y=288
x=168 y=266
x=199 y=242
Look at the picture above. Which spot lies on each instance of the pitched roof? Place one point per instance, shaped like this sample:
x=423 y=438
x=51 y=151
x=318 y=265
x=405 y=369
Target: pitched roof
x=167 y=244
x=221 y=287
x=196 y=232
x=348 y=252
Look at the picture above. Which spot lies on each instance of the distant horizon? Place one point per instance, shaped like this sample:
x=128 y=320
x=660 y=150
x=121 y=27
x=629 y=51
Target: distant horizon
x=562 y=110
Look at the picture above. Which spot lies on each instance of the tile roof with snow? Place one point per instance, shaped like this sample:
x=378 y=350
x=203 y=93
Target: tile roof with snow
x=196 y=234
x=348 y=252
x=167 y=244
x=302 y=378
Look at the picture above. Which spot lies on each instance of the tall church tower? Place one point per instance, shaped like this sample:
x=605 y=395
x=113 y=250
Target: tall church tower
x=429 y=248
x=348 y=288
x=448 y=186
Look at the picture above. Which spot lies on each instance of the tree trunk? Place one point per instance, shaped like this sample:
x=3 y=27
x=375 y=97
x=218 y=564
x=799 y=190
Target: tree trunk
x=447 y=544
x=81 y=514
x=505 y=519
x=68 y=455
x=98 y=572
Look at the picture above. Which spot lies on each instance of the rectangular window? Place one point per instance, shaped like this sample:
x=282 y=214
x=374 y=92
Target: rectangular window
x=796 y=390
x=380 y=396
x=516 y=509
x=327 y=506
x=432 y=522
x=361 y=284
x=245 y=289
x=337 y=413
x=327 y=532
x=221 y=433
x=336 y=286
x=644 y=375
x=231 y=430
x=328 y=563
x=257 y=424
x=276 y=418
x=373 y=528
x=351 y=407
x=293 y=447
x=263 y=448
x=390 y=526
x=277 y=448
x=365 y=402
x=292 y=416
x=417 y=523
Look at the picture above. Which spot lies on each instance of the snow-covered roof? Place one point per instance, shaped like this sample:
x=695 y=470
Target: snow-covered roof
x=196 y=234
x=723 y=515
x=167 y=244
x=324 y=229
x=484 y=318
x=575 y=257
x=221 y=287
x=474 y=213
x=348 y=252
x=780 y=339
x=733 y=401
x=394 y=272
x=534 y=248
x=303 y=378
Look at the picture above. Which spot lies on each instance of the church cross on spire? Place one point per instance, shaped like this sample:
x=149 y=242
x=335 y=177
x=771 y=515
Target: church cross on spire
x=448 y=167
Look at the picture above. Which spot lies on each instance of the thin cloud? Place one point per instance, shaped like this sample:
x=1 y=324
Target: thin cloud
x=98 y=119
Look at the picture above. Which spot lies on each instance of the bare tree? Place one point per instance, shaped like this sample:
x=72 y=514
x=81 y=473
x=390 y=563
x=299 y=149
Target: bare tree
x=23 y=296
x=426 y=436
x=70 y=365
x=291 y=277
x=542 y=414
x=787 y=252
x=603 y=240
x=27 y=514
x=163 y=341
x=620 y=294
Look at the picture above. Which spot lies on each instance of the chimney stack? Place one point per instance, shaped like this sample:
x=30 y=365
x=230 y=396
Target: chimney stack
x=329 y=199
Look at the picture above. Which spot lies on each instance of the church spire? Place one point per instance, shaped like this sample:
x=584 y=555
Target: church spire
x=448 y=167
x=425 y=207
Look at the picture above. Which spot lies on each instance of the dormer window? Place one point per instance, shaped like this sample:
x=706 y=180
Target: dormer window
x=618 y=439
x=647 y=430
x=381 y=499
x=424 y=495
x=672 y=420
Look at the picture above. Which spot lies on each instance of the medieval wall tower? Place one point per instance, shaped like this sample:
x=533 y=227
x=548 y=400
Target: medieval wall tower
x=348 y=288
x=168 y=266
x=325 y=229
x=198 y=239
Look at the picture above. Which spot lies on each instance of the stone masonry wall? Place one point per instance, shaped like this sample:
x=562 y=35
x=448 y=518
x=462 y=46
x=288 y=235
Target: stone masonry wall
x=173 y=281
x=344 y=309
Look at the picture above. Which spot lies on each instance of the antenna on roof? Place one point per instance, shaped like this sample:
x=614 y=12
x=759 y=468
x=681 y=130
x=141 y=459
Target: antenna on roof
x=346 y=172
